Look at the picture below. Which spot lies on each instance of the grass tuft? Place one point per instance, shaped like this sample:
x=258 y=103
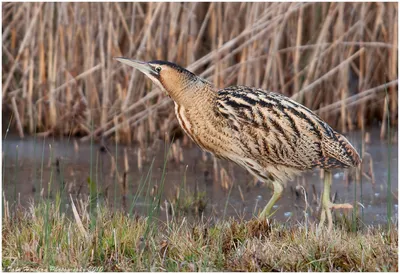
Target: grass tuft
x=48 y=241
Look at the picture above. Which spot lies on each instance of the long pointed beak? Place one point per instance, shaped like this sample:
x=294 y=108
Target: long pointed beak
x=142 y=66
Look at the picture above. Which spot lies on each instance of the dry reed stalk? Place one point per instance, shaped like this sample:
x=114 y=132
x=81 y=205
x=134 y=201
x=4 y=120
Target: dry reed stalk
x=117 y=133
x=393 y=57
x=30 y=97
x=338 y=43
x=24 y=71
x=225 y=180
x=297 y=49
x=216 y=176
x=329 y=49
x=261 y=28
x=343 y=73
x=21 y=48
x=51 y=67
x=6 y=212
x=136 y=119
x=149 y=96
x=71 y=81
x=286 y=47
x=241 y=194
x=78 y=219
x=17 y=117
x=371 y=170
x=362 y=71
x=11 y=27
x=104 y=84
x=356 y=99
x=310 y=87
x=139 y=159
x=317 y=51
x=140 y=135
x=126 y=161
x=76 y=146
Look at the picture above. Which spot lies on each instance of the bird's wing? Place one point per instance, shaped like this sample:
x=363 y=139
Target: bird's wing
x=281 y=130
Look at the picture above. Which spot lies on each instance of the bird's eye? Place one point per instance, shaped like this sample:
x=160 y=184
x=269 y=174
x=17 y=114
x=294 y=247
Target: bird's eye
x=158 y=69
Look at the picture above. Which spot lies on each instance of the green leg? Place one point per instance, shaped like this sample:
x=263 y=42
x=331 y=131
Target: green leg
x=326 y=204
x=275 y=197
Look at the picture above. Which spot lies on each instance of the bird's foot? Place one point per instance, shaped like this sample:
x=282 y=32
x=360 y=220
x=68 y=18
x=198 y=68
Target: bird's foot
x=326 y=213
x=266 y=214
x=341 y=206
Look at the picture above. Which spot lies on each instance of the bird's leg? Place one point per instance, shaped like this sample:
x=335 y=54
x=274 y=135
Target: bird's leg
x=325 y=201
x=275 y=197
x=326 y=204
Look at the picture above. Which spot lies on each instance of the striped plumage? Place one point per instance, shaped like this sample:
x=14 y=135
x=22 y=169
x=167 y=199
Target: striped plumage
x=270 y=135
x=277 y=131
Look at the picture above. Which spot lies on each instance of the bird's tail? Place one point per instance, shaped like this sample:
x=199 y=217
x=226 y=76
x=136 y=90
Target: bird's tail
x=339 y=153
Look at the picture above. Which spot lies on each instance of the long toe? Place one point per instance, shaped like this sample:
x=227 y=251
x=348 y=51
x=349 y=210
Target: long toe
x=265 y=214
x=339 y=206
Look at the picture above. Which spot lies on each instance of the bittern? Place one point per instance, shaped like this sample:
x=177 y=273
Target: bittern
x=269 y=134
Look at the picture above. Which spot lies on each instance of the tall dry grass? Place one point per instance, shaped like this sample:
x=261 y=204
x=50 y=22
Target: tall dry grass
x=59 y=75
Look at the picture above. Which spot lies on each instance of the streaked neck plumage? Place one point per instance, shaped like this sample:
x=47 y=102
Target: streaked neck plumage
x=189 y=92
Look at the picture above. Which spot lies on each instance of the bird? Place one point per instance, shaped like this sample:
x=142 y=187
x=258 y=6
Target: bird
x=270 y=135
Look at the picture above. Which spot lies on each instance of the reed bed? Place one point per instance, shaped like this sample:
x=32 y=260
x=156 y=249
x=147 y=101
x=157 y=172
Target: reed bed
x=59 y=76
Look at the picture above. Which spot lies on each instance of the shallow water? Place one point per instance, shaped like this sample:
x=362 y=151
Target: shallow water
x=68 y=161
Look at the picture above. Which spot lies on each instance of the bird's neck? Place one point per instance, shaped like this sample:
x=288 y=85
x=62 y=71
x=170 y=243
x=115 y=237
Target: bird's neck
x=193 y=94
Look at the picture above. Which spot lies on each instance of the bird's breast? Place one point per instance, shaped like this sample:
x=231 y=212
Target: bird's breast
x=206 y=131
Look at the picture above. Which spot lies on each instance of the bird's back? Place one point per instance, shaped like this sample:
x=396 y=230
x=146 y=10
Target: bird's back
x=275 y=130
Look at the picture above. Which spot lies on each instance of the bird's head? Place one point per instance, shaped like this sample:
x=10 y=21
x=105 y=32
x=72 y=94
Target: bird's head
x=175 y=81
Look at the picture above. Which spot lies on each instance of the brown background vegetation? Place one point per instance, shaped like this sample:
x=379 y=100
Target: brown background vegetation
x=59 y=76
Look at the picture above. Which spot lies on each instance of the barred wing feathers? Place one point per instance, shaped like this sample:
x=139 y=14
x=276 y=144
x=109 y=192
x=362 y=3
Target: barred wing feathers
x=279 y=131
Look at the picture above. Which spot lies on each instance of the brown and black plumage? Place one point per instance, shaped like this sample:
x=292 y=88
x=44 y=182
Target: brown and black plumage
x=270 y=135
